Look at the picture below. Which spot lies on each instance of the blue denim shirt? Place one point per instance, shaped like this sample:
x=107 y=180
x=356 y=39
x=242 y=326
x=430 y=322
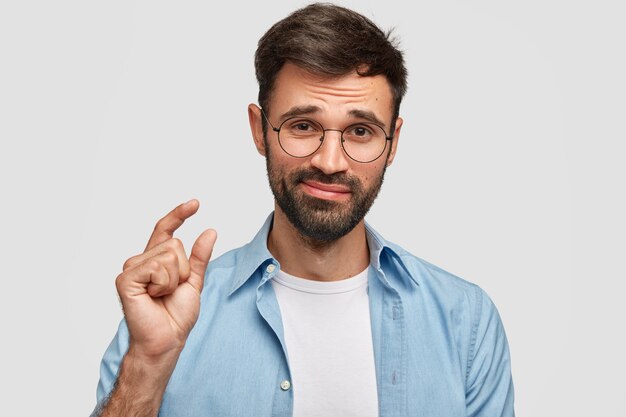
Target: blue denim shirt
x=440 y=348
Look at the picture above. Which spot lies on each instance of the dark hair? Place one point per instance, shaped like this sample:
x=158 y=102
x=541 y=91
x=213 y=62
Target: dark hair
x=329 y=40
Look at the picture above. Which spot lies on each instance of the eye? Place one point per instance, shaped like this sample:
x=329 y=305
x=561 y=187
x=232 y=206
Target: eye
x=301 y=127
x=359 y=131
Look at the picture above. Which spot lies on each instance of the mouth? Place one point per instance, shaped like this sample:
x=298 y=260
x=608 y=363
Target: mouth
x=334 y=192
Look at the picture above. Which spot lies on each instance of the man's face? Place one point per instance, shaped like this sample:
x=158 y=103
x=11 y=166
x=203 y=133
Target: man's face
x=327 y=194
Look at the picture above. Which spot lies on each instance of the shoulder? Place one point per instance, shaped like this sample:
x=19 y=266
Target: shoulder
x=464 y=307
x=419 y=277
x=434 y=289
x=433 y=279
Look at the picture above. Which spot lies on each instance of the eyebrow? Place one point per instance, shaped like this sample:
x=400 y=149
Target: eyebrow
x=299 y=111
x=357 y=113
x=367 y=115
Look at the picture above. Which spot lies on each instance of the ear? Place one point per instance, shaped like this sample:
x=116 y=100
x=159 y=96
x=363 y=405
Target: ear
x=256 y=126
x=394 y=141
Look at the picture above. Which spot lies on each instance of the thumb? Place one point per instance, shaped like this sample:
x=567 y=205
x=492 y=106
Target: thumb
x=199 y=259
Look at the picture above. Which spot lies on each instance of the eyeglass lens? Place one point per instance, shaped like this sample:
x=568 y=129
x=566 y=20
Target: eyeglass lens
x=363 y=142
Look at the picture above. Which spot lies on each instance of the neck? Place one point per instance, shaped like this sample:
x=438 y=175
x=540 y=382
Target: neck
x=312 y=259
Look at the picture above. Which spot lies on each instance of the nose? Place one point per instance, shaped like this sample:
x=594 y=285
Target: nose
x=330 y=158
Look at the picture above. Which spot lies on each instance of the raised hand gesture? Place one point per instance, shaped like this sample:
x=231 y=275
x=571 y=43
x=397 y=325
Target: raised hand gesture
x=160 y=288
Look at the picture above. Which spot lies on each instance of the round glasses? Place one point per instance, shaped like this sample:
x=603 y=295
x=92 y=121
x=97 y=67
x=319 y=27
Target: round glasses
x=301 y=137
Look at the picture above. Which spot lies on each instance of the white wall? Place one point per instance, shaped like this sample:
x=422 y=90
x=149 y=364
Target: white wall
x=510 y=173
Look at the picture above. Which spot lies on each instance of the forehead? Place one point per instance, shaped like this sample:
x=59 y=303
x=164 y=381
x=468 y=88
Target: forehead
x=336 y=97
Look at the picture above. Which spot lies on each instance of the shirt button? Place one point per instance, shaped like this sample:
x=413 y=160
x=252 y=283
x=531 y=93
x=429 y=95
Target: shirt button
x=285 y=385
x=270 y=268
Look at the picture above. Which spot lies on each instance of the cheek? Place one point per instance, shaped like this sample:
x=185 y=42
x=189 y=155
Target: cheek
x=372 y=174
x=279 y=171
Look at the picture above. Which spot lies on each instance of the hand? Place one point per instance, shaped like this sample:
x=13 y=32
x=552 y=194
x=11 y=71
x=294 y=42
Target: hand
x=160 y=288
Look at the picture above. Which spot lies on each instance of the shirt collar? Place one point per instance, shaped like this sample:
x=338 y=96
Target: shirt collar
x=255 y=254
x=377 y=245
x=382 y=250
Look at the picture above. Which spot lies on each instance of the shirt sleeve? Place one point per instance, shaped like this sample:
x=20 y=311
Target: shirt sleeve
x=489 y=385
x=111 y=362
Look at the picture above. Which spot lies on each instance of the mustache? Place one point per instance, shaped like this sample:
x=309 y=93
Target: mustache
x=308 y=174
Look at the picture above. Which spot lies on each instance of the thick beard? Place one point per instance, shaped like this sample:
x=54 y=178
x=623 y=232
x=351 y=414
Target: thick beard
x=319 y=220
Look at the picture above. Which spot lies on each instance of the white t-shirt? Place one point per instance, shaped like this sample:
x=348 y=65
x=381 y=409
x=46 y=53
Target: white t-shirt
x=329 y=343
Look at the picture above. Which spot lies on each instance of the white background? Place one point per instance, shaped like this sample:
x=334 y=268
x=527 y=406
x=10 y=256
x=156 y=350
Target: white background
x=510 y=173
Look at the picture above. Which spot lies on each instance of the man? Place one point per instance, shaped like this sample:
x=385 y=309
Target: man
x=318 y=315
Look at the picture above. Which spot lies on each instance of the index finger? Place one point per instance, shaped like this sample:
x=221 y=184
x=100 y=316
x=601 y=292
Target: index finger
x=165 y=227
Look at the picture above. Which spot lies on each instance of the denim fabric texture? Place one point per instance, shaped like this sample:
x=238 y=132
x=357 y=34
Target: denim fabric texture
x=439 y=344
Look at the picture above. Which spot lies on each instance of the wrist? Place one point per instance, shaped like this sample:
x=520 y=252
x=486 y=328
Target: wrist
x=141 y=383
x=153 y=365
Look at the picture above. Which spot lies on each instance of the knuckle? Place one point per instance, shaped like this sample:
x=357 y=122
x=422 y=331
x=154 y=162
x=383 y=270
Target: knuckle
x=160 y=224
x=126 y=265
x=129 y=263
x=170 y=257
x=153 y=265
x=119 y=281
x=184 y=264
x=176 y=243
